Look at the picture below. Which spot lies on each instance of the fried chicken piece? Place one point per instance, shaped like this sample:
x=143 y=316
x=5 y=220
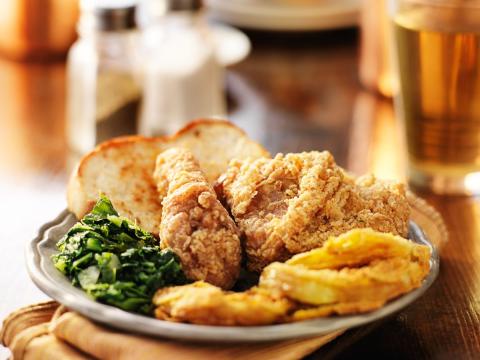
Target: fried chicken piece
x=201 y=303
x=293 y=203
x=194 y=223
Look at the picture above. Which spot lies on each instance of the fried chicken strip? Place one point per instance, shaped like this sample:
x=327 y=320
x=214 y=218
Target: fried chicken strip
x=194 y=223
x=293 y=203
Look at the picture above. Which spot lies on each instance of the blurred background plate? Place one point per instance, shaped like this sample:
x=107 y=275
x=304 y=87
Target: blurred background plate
x=286 y=15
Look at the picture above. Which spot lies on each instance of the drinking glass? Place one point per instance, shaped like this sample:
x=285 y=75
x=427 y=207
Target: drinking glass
x=437 y=56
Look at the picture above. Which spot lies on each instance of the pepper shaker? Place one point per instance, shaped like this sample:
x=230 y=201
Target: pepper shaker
x=103 y=90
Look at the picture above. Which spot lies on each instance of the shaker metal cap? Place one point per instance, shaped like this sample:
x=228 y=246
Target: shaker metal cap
x=151 y=11
x=181 y=5
x=111 y=15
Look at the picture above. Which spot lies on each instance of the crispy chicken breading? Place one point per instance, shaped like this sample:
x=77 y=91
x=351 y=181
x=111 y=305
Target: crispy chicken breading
x=194 y=223
x=293 y=203
x=201 y=303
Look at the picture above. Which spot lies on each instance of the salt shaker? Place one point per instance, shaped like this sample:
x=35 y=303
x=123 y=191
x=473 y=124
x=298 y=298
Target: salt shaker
x=182 y=78
x=103 y=91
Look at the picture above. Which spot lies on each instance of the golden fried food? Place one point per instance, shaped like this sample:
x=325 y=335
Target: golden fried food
x=293 y=203
x=356 y=248
x=194 y=223
x=202 y=303
x=310 y=285
x=335 y=309
x=380 y=281
x=360 y=268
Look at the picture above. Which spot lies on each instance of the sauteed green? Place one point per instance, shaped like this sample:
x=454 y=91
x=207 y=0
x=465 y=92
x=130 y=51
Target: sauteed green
x=115 y=261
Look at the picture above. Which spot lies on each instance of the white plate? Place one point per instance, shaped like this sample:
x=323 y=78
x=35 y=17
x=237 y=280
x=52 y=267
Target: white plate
x=57 y=286
x=286 y=15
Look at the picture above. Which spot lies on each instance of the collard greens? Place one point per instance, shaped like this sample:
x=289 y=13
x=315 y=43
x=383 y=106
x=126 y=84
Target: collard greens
x=115 y=261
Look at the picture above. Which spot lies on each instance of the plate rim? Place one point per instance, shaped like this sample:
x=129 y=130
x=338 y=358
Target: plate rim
x=140 y=324
x=327 y=16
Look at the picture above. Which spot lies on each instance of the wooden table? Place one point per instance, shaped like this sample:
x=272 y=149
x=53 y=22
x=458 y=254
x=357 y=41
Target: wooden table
x=293 y=93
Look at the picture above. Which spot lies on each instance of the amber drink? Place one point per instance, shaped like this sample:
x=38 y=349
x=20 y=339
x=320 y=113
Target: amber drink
x=438 y=63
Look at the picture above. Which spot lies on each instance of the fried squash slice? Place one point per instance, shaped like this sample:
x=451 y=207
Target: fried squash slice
x=356 y=248
x=205 y=304
x=356 y=272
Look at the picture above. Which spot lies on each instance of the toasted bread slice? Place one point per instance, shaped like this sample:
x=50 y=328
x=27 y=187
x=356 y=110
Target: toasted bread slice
x=123 y=168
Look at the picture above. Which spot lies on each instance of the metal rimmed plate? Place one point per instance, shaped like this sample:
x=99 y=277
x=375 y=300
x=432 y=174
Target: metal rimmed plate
x=57 y=286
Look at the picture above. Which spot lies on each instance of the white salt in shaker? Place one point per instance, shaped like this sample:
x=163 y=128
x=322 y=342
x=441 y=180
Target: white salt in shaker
x=182 y=79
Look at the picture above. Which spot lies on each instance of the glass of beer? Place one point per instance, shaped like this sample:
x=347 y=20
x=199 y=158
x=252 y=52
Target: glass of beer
x=437 y=55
